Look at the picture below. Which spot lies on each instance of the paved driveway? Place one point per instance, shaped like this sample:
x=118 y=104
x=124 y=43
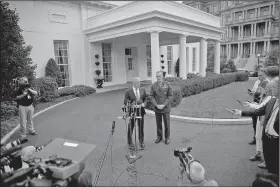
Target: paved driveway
x=223 y=150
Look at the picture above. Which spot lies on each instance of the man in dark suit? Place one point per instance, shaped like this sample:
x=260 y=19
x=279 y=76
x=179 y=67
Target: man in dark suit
x=270 y=136
x=136 y=94
x=161 y=94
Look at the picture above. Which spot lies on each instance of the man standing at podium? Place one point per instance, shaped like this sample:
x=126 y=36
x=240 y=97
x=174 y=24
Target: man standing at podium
x=138 y=95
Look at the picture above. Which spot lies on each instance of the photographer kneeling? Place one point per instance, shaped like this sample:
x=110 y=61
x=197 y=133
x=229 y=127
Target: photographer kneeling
x=25 y=99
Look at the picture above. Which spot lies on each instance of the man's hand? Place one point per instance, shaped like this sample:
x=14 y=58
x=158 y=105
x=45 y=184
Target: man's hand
x=160 y=107
x=246 y=103
x=25 y=93
x=236 y=112
x=143 y=105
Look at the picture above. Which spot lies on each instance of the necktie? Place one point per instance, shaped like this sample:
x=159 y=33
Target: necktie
x=137 y=95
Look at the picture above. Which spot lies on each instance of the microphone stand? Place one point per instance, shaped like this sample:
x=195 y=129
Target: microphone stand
x=104 y=154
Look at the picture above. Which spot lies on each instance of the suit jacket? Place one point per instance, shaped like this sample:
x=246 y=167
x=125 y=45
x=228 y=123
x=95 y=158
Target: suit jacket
x=161 y=96
x=265 y=110
x=131 y=97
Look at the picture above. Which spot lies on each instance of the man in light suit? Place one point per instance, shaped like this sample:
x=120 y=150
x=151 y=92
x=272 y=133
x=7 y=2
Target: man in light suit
x=161 y=94
x=270 y=136
x=136 y=94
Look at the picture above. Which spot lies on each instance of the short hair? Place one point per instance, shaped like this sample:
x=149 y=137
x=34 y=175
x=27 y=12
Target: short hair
x=134 y=79
x=272 y=71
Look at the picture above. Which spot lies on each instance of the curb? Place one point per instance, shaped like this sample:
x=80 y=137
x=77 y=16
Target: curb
x=244 y=121
x=7 y=136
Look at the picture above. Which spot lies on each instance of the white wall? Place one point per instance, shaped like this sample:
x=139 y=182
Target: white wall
x=40 y=32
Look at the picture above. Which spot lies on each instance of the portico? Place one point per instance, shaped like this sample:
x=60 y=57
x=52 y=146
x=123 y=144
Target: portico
x=128 y=39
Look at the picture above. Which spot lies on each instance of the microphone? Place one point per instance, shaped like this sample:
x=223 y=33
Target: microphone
x=113 y=127
x=15 y=143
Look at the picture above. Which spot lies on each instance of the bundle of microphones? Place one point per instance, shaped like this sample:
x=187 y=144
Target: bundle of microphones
x=19 y=170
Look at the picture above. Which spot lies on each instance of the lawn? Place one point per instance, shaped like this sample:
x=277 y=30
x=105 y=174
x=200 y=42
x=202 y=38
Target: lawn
x=211 y=104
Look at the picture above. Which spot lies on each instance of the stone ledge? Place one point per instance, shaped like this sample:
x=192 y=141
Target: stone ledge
x=244 y=121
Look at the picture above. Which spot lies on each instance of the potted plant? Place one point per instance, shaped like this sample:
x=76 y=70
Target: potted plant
x=99 y=79
x=162 y=66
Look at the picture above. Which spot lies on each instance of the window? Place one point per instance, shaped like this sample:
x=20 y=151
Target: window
x=149 y=62
x=264 y=11
x=215 y=8
x=228 y=18
x=194 y=60
x=251 y=13
x=62 y=59
x=238 y=15
x=107 y=62
x=169 y=58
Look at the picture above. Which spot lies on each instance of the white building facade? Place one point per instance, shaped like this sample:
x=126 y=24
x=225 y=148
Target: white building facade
x=129 y=40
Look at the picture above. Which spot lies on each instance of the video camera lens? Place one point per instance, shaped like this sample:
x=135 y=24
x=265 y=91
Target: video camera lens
x=176 y=153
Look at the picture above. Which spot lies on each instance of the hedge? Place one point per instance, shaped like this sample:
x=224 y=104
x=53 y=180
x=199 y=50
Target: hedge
x=47 y=88
x=184 y=88
x=77 y=90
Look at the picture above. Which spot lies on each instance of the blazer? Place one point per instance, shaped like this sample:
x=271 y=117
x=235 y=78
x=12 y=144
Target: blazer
x=161 y=96
x=131 y=97
x=265 y=111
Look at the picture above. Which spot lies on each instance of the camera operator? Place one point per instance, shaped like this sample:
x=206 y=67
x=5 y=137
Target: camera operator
x=196 y=175
x=25 y=99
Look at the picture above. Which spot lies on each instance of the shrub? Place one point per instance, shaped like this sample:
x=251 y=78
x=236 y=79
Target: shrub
x=8 y=109
x=242 y=76
x=231 y=66
x=46 y=87
x=210 y=73
x=192 y=75
x=52 y=70
x=77 y=90
x=226 y=70
x=175 y=101
x=173 y=79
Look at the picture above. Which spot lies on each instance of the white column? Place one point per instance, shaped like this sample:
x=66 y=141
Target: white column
x=217 y=57
x=269 y=27
x=229 y=51
x=241 y=48
x=265 y=27
x=273 y=10
x=203 y=57
x=264 y=47
x=251 y=48
x=238 y=48
x=268 y=46
x=197 y=60
x=255 y=29
x=190 y=59
x=183 y=63
x=155 y=56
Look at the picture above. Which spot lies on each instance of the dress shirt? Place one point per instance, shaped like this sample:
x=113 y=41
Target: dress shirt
x=256 y=85
x=269 y=127
x=137 y=93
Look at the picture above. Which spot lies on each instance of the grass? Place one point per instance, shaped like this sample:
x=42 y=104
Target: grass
x=211 y=104
x=8 y=125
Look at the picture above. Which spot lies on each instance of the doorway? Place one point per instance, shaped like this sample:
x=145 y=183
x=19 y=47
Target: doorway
x=131 y=63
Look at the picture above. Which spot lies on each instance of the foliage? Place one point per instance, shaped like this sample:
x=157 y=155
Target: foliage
x=210 y=58
x=47 y=88
x=273 y=58
x=242 y=76
x=184 y=88
x=8 y=109
x=177 y=68
x=226 y=70
x=175 y=101
x=15 y=60
x=77 y=90
x=52 y=70
x=192 y=75
x=231 y=66
x=173 y=79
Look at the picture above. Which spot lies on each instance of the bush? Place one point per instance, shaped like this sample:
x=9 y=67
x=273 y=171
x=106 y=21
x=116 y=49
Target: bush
x=173 y=79
x=192 y=75
x=231 y=66
x=175 y=101
x=242 y=76
x=77 y=90
x=47 y=89
x=52 y=70
x=8 y=109
x=226 y=70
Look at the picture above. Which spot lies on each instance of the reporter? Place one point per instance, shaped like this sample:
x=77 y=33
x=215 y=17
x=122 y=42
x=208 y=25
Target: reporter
x=25 y=99
x=270 y=136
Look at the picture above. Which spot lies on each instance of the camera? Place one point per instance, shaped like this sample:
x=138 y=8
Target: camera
x=182 y=150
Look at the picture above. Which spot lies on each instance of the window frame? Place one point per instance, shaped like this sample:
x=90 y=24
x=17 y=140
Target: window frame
x=107 y=61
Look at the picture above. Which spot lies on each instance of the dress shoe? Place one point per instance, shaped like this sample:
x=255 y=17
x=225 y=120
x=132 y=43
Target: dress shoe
x=33 y=133
x=255 y=158
x=167 y=142
x=253 y=142
x=158 y=140
x=262 y=165
x=142 y=145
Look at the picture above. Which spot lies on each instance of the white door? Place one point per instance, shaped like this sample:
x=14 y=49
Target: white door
x=130 y=61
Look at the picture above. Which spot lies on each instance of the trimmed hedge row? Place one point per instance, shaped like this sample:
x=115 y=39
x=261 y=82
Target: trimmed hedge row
x=77 y=90
x=184 y=88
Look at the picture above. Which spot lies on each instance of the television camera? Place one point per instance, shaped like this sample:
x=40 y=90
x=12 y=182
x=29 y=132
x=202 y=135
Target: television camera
x=184 y=156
